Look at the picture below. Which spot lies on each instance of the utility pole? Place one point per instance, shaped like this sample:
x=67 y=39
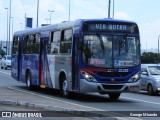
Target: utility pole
x=109 y=7
x=69 y=11
x=9 y=28
x=7 y=33
x=113 y=9
x=50 y=11
x=158 y=48
x=37 y=11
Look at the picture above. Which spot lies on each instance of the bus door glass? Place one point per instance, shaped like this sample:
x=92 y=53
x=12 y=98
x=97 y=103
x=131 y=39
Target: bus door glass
x=44 y=71
x=15 y=63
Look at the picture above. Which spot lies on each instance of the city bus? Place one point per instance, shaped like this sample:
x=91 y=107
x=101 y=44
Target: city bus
x=81 y=56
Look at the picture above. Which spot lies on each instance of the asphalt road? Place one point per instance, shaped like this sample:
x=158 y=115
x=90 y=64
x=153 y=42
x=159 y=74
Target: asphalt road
x=131 y=103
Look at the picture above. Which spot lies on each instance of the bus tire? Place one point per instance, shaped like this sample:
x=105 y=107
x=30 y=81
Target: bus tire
x=114 y=96
x=64 y=87
x=28 y=81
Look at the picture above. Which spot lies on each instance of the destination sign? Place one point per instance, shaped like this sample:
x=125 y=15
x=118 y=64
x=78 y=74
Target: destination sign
x=117 y=27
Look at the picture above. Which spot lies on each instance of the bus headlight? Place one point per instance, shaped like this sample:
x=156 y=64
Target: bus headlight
x=135 y=78
x=88 y=77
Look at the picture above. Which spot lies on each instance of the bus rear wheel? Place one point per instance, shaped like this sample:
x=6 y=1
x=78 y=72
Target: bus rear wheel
x=64 y=87
x=28 y=81
x=114 y=96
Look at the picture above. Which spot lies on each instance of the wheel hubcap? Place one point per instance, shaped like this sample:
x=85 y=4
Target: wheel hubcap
x=65 y=87
x=28 y=82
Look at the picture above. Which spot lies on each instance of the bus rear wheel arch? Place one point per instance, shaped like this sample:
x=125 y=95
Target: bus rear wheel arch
x=64 y=85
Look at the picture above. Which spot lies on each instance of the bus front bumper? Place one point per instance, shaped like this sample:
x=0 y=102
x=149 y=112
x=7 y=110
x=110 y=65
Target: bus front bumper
x=104 y=88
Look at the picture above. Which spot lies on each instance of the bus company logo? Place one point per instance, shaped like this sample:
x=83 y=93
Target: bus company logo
x=113 y=80
x=6 y=114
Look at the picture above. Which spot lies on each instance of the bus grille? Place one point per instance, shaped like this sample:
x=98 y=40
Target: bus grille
x=112 y=87
x=113 y=74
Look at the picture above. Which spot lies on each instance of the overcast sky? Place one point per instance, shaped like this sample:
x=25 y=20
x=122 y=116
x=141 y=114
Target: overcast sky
x=144 y=12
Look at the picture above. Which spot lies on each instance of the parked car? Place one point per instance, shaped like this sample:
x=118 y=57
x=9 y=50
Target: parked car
x=6 y=62
x=150 y=78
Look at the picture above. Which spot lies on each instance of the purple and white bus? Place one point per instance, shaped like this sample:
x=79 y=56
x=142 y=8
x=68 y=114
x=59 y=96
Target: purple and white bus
x=87 y=55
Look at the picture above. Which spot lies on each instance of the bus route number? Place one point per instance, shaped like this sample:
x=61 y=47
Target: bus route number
x=123 y=70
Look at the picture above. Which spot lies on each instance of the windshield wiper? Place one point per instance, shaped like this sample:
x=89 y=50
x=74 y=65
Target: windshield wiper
x=101 y=42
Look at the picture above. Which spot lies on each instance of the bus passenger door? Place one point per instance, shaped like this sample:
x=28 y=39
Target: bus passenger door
x=75 y=64
x=16 y=66
x=19 y=58
x=45 y=80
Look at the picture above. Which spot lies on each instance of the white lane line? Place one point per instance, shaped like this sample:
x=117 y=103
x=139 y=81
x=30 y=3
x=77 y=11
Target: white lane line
x=141 y=100
x=5 y=73
x=56 y=99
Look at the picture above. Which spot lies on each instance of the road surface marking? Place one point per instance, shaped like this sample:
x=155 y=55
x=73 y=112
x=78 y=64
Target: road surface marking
x=5 y=73
x=141 y=100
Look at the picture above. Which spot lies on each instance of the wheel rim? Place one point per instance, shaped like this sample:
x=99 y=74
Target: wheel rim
x=28 y=81
x=65 y=87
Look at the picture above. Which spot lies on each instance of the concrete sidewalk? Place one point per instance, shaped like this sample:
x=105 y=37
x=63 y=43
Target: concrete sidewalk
x=25 y=100
x=11 y=96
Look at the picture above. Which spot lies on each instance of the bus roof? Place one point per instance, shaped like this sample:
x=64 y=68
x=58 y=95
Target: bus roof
x=67 y=24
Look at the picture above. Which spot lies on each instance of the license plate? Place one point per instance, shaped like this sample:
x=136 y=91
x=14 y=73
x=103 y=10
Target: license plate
x=132 y=88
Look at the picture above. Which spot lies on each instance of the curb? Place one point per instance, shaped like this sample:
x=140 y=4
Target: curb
x=92 y=115
x=39 y=106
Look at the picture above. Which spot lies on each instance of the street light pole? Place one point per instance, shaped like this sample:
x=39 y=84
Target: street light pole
x=109 y=7
x=9 y=27
x=12 y=26
x=69 y=11
x=50 y=15
x=158 y=48
x=37 y=11
x=7 y=32
x=113 y=9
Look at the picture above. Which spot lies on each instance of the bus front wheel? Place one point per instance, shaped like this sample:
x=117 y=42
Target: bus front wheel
x=114 y=96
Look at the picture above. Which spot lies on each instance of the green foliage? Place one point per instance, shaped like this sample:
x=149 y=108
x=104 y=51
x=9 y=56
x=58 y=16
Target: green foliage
x=150 y=58
x=2 y=52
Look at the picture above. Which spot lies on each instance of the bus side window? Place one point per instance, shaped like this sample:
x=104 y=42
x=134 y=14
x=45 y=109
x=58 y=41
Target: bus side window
x=36 y=44
x=55 y=42
x=30 y=44
x=25 y=44
x=50 y=42
x=66 y=41
x=15 y=45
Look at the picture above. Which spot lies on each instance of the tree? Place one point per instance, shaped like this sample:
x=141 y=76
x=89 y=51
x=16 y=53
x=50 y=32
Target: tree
x=149 y=57
x=2 y=52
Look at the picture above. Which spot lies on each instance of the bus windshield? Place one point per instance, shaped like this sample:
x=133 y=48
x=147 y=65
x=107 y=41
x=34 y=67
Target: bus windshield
x=109 y=51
